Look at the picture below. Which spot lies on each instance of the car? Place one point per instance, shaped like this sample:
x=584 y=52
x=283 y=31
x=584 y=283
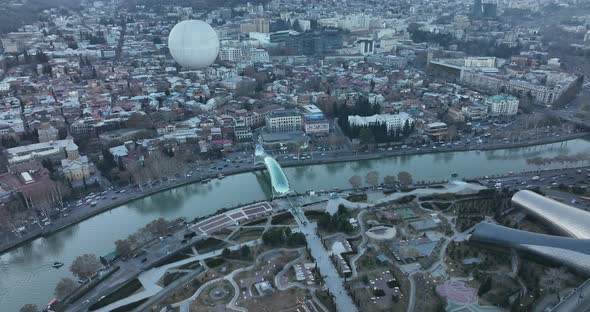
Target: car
x=87 y=301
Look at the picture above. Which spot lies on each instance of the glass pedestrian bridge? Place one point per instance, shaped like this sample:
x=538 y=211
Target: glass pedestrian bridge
x=278 y=179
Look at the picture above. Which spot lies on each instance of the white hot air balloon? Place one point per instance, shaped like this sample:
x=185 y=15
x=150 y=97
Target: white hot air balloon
x=193 y=44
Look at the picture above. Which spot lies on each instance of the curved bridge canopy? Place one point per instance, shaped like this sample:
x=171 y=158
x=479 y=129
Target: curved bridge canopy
x=278 y=179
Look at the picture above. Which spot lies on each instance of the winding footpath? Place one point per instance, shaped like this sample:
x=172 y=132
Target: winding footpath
x=150 y=278
x=362 y=246
x=184 y=304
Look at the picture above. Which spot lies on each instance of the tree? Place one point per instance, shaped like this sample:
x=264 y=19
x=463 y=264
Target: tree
x=390 y=181
x=123 y=248
x=274 y=237
x=372 y=178
x=366 y=136
x=404 y=177
x=85 y=266
x=297 y=27
x=553 y=280
x=226 y=253
x=452 y=132
x=296 y=239
x=29 y=308
x=158 y=227
x=64 y=288
x=324 y=221
x=245 y=251
x=485 y=286
x=355 y=181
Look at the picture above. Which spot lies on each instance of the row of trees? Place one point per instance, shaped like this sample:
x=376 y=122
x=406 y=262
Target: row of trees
x=243 y=252
x=377 y=133
x=471 y=47
x=156 y=228
x=374 y=133
x=157 y=165
x=283 y=236
x=339 y=222
x=403 y=178
x=83 y=267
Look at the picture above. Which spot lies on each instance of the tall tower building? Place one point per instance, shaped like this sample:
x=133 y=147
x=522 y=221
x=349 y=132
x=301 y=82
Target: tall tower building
x=477 y=10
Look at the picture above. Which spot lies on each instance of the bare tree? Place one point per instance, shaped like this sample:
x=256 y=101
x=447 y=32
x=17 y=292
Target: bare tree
x=85 y=266
x=29 y=308
x=64 y=288
x=355 y=181
x=158 y=227
x=553 y=279
x=124 y=248
x=404 y=177
x=372 y=178
x=333 y=140
x=452 y=132
x=390 y=181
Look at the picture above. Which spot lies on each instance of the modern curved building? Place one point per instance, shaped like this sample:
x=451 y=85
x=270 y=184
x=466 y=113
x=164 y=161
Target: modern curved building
x=566 y=219
x=571 y=252
x=278 y=179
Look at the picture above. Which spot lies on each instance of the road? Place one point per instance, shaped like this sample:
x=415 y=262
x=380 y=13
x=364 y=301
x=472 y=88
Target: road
x=332 y=279
x=546 y=179
x=577 y=300
x=238 y=162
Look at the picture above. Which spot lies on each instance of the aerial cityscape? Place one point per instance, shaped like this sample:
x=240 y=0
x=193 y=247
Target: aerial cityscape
x=296 y=156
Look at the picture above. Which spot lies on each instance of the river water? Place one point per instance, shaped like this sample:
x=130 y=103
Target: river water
x=26 y=275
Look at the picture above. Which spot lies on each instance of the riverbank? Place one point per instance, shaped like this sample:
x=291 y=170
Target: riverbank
x=80 y=214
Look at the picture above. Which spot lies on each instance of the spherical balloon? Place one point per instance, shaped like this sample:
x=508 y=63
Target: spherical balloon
x=193 y=44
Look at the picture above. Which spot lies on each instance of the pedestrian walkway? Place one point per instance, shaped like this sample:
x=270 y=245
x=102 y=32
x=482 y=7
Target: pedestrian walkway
x=331 y=277
x=577 y=300
x=149 y=278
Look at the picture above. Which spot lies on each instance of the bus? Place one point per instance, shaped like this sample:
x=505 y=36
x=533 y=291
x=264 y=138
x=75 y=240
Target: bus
x=50 y=305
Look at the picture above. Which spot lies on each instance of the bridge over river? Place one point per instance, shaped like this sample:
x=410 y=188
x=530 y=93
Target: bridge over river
x=278 y=179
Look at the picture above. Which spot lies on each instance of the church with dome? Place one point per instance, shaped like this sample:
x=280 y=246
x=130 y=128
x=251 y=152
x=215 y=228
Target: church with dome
x=76 y=168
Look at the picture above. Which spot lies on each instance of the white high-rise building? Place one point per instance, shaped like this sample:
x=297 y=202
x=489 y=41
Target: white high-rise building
x=502 y=105
x=230 y=54
x=393 y=122
x=259 y=55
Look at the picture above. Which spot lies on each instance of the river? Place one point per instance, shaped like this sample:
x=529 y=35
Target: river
x=26 y=275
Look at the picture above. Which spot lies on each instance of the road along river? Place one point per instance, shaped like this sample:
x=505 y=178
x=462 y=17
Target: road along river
x=26 y=275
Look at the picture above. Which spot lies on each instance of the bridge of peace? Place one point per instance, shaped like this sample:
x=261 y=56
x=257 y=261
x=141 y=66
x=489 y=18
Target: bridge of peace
x=278 y=179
